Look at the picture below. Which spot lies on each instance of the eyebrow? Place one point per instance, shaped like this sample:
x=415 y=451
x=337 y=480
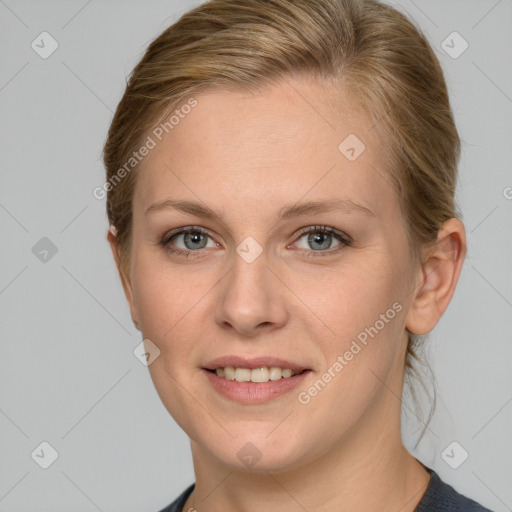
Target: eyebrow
x=285 y=213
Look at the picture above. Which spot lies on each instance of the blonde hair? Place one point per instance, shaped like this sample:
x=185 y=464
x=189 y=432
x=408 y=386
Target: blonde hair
x=370 y=49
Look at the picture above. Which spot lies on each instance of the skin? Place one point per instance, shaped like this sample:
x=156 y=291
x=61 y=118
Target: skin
x=246 y=155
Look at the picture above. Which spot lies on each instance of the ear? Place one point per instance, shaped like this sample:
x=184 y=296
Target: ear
x=439 y=275
x=125 y=279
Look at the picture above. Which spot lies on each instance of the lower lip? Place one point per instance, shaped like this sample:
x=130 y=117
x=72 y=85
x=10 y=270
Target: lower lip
x=254 y=392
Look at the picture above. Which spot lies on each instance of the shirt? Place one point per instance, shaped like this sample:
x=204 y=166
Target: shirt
x=438 y=497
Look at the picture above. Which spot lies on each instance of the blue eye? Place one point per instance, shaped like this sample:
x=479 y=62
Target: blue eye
x=193 y=238
x=318 y=242
x=320 y=239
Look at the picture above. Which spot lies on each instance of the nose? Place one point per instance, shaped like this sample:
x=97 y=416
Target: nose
x=252 y=300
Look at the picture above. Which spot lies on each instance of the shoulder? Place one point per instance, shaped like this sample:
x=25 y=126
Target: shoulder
x=439 y=497
x=179 y=502
x=442 y=497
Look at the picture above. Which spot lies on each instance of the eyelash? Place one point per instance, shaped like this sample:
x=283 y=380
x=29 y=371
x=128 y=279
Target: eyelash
x=345 y=240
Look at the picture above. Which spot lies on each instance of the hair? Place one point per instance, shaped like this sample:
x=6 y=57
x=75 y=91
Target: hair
x=364 y=47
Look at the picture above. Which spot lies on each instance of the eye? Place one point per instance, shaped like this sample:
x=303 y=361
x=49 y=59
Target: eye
x=315 y=241
x=187 y=241
x=320 y=239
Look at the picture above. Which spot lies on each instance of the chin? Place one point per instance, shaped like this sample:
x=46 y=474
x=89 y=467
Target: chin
x=260 y=453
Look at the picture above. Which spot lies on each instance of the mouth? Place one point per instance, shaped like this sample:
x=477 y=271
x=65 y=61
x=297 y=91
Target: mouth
x=254 y=381
x=257 y=375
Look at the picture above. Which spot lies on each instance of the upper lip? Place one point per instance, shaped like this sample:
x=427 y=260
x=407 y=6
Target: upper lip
x=255 y=362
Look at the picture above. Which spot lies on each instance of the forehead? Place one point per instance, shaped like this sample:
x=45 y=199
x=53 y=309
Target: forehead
x=292 y=140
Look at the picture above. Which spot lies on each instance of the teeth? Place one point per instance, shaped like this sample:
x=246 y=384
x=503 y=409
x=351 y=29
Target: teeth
x=242 y=375
x=260 y=375
x=275 y=373
x=287 y=373
x=256 y=374
x=229 y=373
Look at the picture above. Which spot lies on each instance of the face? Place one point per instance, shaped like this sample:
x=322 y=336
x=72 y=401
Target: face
x=304 y=265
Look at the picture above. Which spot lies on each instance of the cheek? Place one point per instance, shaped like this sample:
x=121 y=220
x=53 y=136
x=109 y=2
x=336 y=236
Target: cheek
x=173 y=307
x=157 y=305
x=166 y=304
x=164 y=297
x=356 y=295
x=362 y=361
x=365 y=310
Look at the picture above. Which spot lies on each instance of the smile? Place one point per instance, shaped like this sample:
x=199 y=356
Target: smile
x=263 y=374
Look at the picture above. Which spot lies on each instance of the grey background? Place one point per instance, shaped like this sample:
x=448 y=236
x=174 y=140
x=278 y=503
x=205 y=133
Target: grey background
x=68 y=375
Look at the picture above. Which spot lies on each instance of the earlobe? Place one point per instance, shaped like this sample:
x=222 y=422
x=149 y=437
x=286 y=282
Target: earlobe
x=439 y=275
x=125 y=279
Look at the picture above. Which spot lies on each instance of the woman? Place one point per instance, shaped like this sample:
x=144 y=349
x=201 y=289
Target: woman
x=281 y=181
